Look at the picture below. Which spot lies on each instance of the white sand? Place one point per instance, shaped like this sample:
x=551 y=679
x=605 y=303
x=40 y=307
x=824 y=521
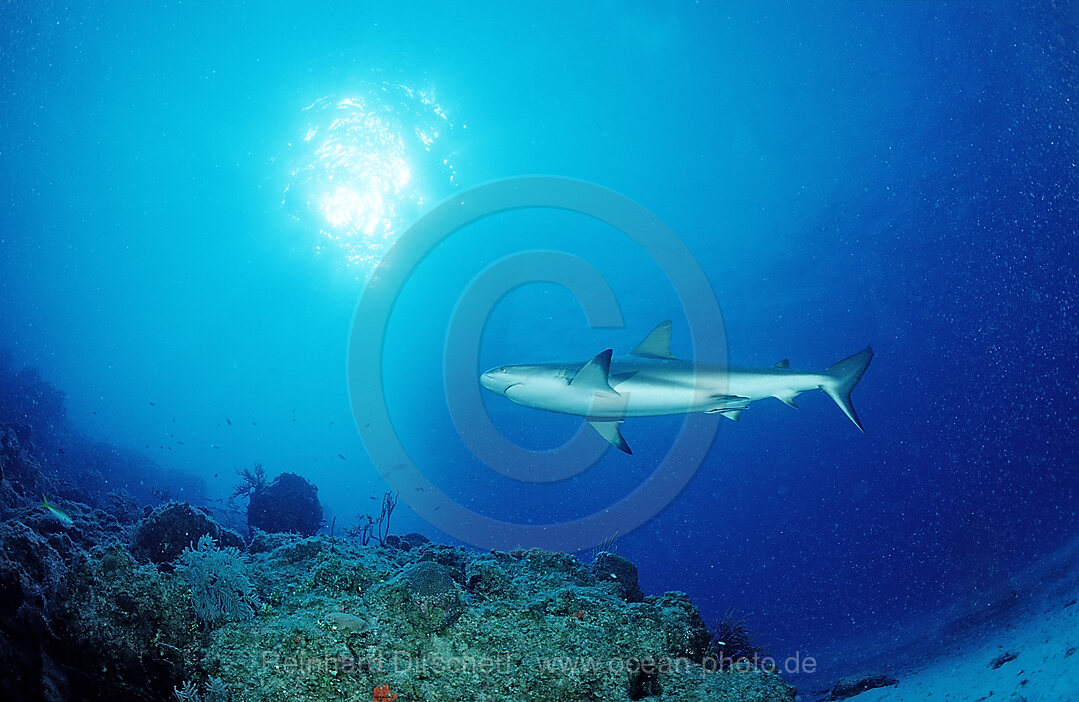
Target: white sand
x=1040 y=627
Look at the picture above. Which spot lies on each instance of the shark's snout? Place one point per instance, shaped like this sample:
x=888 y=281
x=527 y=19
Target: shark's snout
x=497 y=380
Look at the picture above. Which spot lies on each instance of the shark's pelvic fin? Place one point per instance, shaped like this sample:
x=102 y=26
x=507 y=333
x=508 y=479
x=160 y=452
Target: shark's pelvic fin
x=787 y=398
x=843 y=376
x=609 y=430
x=596 y=374
x=785 y=363
x=657 y=344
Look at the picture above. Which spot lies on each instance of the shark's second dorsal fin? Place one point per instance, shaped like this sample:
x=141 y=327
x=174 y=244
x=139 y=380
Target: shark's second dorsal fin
x=657 y=344
x=596 y=374
x=785 y=363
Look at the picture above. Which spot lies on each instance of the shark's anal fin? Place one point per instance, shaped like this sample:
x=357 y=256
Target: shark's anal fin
x=609 y=430
x=732 y=414
x=657 y=344
x=595 y=375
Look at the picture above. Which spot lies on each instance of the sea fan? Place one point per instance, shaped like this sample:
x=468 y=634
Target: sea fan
x=220 y=589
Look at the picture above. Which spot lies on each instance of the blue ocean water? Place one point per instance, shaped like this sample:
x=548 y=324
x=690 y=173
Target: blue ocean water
x=194 y=199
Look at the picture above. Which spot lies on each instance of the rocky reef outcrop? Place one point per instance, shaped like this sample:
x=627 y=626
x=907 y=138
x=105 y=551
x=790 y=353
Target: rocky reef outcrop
x=164 y=534
x=176 y=607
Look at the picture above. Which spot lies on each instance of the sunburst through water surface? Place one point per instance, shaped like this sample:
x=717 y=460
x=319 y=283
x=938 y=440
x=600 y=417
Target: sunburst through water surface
x=365 y=166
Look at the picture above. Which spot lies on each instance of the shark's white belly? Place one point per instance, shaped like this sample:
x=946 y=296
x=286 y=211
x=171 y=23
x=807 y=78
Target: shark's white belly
x=660 y=388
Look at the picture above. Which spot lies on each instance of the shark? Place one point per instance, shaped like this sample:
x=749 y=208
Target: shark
x=650 y=382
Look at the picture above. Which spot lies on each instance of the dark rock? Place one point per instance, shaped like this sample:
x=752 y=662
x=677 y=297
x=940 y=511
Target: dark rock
x=643 y=679
x=424 y=595
x=414 y=539
x=31 y=573
x=856 y=684
x=172 y=527
x=1002 y=659
x=122 y=628
x=288 y=504
x=123 y=507
x=453 y=558
x=296 y=550
x=487 y=578
x=549 y=567
x=618 y=575
x=263 y=542
x=20 y=473
x=682 y=624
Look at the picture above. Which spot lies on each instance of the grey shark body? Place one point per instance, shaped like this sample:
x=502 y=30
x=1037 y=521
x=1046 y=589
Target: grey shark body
x=651 y=382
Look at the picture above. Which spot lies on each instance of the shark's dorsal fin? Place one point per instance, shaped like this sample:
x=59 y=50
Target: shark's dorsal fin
x=608 y=429
x=785 y=363
x=657 y=344
x=596 y=374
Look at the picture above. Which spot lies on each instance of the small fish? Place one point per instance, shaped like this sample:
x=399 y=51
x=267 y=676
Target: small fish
x=152 y=404
x=228 y=421
x=56 y=512
x=341 y=457
x=180 y=442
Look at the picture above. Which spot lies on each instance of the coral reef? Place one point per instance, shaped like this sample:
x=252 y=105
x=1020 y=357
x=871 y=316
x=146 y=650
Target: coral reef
x=97 y=607
x=174 y=526
x=619 y=575
x=443 y=623
x=287 y=504
x=125 y=630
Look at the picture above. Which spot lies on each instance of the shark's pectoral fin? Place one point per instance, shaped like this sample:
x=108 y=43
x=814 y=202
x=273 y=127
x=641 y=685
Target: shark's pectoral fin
x=609 y=430
x=657 y=344
x=596 y=374
x=785 y=363
x=730 y=406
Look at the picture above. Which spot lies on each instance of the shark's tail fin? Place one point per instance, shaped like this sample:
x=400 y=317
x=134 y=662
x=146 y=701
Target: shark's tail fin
x=843 y=376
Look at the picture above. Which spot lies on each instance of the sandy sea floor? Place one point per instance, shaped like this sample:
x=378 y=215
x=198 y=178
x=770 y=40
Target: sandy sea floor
x=1022 y=646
